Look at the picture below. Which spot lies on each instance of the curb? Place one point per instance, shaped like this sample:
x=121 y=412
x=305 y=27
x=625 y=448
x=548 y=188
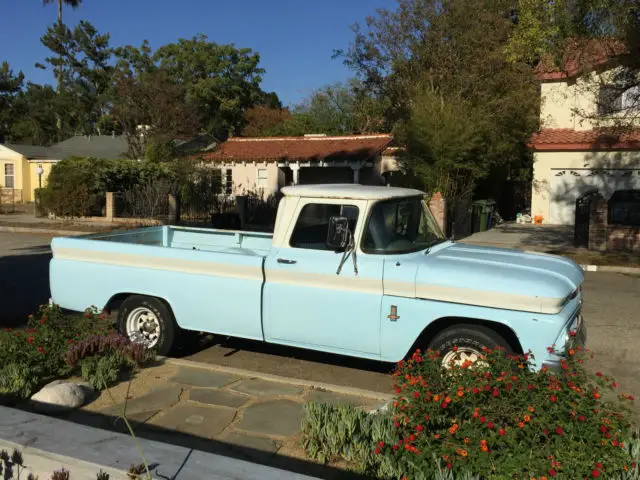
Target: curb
x=610 y=269
x=358 y=392
x=42 y=230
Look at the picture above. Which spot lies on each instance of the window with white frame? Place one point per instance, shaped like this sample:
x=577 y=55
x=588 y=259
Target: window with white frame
x=263 y=177
x=9 y=175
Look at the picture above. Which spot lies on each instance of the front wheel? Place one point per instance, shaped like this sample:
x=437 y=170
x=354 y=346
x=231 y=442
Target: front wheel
x=147 y=320
x=464 y=345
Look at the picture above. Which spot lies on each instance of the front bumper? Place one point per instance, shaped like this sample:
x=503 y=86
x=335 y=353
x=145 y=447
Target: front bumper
x=575 y=336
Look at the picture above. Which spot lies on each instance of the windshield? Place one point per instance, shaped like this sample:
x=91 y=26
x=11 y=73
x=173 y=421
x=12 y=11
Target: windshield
x=401 y=225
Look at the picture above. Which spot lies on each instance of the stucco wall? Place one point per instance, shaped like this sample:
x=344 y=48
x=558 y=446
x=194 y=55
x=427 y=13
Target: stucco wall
x=245 y=177
x=561 y=99
x=545 y=162
x=19 y=162
x=32 y=178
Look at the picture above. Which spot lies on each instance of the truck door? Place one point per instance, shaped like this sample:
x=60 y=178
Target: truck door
x=306 y=303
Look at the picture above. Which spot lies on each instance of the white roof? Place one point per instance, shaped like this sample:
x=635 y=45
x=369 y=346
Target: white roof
x=349 y=190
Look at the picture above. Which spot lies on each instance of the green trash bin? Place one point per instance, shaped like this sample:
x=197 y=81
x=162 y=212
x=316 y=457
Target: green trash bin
x=482 y=215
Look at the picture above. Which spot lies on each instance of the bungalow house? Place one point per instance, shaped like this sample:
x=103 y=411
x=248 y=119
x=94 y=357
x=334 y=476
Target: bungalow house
x=573 y=154
x=267 y=164
x=24 y=168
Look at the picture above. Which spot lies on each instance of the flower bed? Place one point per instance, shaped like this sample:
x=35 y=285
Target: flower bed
x=502 y=419
x=55 y=346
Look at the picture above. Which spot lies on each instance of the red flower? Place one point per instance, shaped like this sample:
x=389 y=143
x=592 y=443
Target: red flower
x=598 y=465
x=449 y=466
x=598 y=374
x=552 y=473
x=530 y=387
x=559 y=430
x=416 y=394
x=595 y=473
x=398 y=390
x=630 y=397
x=381 y=444
x=455 y=349
x=582 y=418
x=476 y=390
x=496 y=393
x=490 y=425
x=545 y=431
x=396 y=424
x=603 y=429
x=553 y=399
x=419 y=428
x=502 y=431
x=395 y=448
x=30 y=340
x=41 y=350
x=376 y=451
x=482 y=419
x=43 y=321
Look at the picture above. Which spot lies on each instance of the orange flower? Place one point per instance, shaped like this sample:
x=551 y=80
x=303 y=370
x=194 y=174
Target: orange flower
x=467 y=439
x=521 y=424
x=460 y=393
x=436 y=398
x=572 y=352
x=484 y=448
x=462 y=452
x=527 y=418
x=530 y=409
x=447 y=399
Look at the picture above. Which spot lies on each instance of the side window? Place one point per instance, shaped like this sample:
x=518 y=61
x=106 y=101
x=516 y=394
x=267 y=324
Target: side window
x=312 y=225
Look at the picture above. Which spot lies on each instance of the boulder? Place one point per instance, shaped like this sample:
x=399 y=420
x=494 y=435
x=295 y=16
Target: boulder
x=60 y=396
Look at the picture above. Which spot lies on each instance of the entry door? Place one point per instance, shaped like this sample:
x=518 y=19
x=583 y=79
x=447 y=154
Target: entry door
x=307 y=303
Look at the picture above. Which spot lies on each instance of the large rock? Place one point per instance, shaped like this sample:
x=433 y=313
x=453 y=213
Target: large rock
x=60 y=396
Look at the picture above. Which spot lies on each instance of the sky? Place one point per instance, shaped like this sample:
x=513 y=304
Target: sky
x=295 y=38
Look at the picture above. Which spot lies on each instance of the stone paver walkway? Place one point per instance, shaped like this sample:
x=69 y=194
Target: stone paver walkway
x=259 y=415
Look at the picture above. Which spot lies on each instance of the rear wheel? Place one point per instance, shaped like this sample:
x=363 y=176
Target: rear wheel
x=148 y=320
x=463 y=345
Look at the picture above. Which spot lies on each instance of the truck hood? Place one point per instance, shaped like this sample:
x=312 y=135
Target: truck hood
x=498 y=278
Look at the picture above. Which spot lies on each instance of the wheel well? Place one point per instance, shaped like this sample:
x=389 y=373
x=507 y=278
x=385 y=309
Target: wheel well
x=437 y=326
x=115 y=302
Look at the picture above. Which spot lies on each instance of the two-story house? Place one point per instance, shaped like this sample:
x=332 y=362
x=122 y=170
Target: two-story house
x=576 y=151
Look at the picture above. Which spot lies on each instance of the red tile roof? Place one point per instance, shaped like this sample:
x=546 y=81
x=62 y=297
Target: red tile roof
x=356 y=147
x=581 y=55
x=565 y=139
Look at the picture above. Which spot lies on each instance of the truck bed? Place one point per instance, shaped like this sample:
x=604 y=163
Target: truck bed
x=188 y=238
x=211 y=279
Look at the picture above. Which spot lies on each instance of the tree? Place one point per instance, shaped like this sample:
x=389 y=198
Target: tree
x=84 y=56
x=221 y=81
x=438 y=72
x=152 y=112
x=34 y=115
x=261 y=120
x=10 y=87
x=583 y=31
x=71 y=3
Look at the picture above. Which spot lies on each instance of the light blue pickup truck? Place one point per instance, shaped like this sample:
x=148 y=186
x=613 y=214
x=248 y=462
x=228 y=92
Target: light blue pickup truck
x=350 y=269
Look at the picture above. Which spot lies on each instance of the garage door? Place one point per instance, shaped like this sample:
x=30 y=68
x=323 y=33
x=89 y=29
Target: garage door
x=567 y=185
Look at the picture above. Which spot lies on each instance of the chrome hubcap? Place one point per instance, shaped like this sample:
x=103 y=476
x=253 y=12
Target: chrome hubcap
x=463 y=357
x=143 y=326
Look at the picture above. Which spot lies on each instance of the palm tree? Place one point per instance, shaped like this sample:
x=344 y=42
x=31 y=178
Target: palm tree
x=71 y=3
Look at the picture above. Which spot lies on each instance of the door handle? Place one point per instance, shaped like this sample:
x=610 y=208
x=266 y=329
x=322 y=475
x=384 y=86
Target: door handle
x=287 y=262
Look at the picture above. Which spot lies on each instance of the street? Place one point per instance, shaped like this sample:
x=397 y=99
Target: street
x=611 y=309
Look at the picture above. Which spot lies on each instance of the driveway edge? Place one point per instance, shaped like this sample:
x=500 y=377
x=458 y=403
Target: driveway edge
x=46 y=231
x=358 y=392
x=610 y=269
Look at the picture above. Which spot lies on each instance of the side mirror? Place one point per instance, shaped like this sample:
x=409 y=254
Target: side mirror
x=338 y=234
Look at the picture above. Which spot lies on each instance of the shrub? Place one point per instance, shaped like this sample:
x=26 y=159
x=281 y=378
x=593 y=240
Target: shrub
x=76 y=186
x=499 y=420
x=507 y=419
x=17 y=379
x=38 y=353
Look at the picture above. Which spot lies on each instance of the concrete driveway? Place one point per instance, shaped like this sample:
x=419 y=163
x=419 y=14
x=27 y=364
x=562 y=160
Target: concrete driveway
x=525 y=236
x=612 y=306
